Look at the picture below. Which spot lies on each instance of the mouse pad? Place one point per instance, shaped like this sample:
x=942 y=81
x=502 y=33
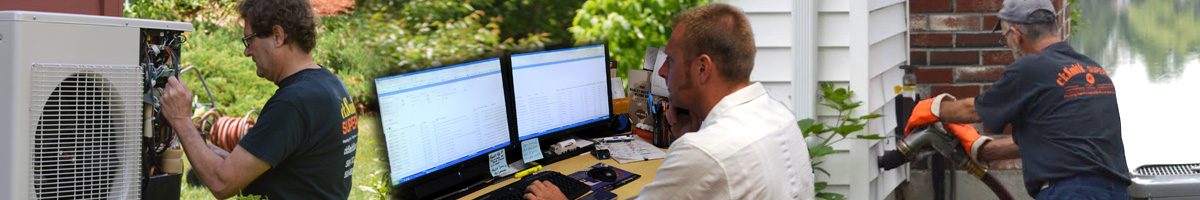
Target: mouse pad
x=623 y=177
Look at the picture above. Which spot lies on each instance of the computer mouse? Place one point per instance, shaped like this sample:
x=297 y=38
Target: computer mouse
x=606 y=174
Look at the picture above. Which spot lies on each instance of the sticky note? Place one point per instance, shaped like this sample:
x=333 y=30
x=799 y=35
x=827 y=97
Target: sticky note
x=497 y=162
x=531 y=150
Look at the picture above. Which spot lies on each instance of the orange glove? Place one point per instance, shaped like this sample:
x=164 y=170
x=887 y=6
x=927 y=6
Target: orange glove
x=925 y=113
x=971 y=140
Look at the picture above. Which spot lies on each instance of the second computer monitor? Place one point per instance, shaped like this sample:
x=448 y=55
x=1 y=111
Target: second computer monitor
x=561 y=89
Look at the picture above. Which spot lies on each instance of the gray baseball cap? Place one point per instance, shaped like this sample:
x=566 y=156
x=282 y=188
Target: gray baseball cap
x=1017 y=11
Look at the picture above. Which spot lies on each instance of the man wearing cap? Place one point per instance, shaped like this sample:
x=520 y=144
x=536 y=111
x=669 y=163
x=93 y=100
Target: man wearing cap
x=1060 y=106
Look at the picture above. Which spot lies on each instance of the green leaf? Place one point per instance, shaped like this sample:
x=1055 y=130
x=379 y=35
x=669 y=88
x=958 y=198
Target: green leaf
x=847 y=129
x=851 y=106
x=818 y=151
x=818 y=186
x=831 y=196
x=804 y=124
x=815 y=128
x=872 y=137
x=822 y=170
x=833 y=106
x=871 y=116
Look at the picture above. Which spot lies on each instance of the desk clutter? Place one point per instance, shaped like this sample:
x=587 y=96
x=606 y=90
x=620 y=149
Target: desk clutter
x=630 y=148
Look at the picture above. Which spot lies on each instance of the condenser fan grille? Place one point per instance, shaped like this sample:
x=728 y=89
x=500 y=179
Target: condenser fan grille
x=86 y=120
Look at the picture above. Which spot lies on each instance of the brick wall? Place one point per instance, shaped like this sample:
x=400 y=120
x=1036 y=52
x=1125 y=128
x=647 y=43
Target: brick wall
x=953 y=48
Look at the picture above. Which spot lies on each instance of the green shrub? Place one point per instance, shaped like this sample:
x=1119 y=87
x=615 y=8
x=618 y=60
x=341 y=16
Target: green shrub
x=628 y=26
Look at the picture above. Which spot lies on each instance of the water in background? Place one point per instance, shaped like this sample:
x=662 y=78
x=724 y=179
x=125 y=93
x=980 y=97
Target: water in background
x=1151 y=49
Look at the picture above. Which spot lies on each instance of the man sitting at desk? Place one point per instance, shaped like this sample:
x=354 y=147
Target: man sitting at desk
x=739 y=143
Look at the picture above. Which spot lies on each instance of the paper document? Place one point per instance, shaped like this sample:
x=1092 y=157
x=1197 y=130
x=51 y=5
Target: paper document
x=635 y=150
x=618 y=88
x=658 y=84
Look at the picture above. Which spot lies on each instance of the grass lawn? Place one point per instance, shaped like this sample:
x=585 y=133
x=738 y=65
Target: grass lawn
x=368 y=160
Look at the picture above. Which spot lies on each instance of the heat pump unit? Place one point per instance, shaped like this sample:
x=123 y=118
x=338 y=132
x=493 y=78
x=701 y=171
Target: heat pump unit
x=76 y=103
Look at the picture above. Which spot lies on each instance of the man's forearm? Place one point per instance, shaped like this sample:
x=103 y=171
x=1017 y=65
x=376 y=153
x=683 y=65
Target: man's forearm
x=999 y=149
x=203 y=159
x=960 y=111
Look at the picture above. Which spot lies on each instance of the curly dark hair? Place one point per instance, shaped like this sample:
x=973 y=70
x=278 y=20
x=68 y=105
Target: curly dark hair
x=295 y=16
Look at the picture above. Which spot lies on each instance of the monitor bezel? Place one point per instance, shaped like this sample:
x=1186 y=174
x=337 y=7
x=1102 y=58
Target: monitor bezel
x=548 y=138
x=461 y=174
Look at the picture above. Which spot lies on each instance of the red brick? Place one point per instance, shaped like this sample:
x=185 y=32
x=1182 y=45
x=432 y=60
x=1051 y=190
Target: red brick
x=959 y=91
x=928 y=6
x=989 y=22
x=997 y=57
x=979 y=40
x=918 y=22
x=955 y=22
x=978 y=5
x=932 y=40
x=954 y=58
x=978 y=74
x=918 y=58
x=934 y=75
x=1058 y=4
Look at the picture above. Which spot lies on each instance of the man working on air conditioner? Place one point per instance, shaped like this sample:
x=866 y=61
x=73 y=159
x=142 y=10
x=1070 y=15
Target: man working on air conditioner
x=303 y=144
x=742 y=144
x=1061 y=106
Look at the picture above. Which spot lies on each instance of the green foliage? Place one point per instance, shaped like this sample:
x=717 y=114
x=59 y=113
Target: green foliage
x=408 y=36
x=174 y=10
x=826 y=135
x=1076 y=17
x=230 y=75
x=248 y=197
x=547 y=19
x=628 y=26
x=380 y=185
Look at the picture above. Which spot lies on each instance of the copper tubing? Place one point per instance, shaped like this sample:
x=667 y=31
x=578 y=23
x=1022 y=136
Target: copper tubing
x=228 y=131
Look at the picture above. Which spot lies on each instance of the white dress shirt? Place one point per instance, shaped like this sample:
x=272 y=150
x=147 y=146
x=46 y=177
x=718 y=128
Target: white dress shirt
x=748 y=147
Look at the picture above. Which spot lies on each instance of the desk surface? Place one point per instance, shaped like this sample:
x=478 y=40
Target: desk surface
x=583 y=161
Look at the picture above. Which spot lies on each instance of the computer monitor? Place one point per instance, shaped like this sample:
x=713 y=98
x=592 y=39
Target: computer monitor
x=440 y=124
x=561 y=91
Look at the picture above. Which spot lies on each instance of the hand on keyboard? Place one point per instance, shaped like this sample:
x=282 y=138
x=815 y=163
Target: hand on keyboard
x=543 y=185
x=543 y=190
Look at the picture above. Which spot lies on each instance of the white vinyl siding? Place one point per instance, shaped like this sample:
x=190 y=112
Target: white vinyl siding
x=856 y=44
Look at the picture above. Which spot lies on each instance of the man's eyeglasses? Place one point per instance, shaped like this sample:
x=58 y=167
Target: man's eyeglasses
x=1003 y=35
x=246 y=40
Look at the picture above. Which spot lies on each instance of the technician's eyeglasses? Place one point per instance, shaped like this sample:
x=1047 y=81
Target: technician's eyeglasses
x=246 y=40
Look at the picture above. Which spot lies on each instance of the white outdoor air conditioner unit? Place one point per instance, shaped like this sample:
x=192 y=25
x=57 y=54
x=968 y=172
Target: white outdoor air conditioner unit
x=74 y=103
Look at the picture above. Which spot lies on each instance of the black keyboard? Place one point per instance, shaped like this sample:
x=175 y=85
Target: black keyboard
x=570 y=187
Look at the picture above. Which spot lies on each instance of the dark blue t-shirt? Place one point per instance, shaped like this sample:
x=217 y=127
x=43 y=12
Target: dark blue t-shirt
x=307 y=132
x=1063 y=109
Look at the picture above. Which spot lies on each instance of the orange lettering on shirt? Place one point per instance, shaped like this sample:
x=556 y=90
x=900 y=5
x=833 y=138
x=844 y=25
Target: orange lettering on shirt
x=350 y=124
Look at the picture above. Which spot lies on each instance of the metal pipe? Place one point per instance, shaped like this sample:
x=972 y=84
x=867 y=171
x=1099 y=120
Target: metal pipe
x=936 y=139
x=212 y=101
